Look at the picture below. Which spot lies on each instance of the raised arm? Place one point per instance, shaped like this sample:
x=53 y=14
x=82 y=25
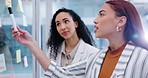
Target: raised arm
x=51 y=68
x=26 y=39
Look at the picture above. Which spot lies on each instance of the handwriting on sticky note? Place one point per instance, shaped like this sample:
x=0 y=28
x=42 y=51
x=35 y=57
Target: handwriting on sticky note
x=18 y=56
x=2 y=63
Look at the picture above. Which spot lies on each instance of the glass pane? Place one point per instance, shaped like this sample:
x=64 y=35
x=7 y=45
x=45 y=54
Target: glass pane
x=44 y=29
x=18 y=58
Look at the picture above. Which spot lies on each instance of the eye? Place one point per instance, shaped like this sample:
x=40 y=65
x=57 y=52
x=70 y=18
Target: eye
x=57 y=24
x=101 y=14
x=66 y=21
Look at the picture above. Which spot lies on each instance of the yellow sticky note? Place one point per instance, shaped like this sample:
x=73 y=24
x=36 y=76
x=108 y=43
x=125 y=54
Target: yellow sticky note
x=8 y=3
x=18 y=56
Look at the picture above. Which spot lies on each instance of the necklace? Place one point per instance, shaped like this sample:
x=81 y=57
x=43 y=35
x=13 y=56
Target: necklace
x=67 y=56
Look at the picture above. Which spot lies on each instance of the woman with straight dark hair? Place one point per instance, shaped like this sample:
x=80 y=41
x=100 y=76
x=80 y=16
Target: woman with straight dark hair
x=127 y=53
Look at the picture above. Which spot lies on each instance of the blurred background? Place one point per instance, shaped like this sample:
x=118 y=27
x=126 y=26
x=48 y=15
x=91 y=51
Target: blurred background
x=35 y=16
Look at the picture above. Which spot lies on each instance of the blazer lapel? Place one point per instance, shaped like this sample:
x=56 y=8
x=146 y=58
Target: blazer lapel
x=98 y=62
x=79 y=52
x=59 y=56
x=123 y=60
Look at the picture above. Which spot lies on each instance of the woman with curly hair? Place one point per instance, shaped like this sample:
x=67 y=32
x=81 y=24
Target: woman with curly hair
x=70 y=40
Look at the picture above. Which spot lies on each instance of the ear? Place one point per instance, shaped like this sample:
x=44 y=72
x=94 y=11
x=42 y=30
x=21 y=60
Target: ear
x=122 y=21
x=76 y=24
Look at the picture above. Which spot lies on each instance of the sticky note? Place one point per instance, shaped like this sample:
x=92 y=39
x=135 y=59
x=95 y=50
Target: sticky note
x=20 y=6
x=24 y=20
x=18 y=56
x=8 y=3
x=26 y=1
x=25 y=61
x=2 y=63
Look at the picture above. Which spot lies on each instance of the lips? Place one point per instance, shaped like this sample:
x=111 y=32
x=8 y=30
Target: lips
x=95 y=28
x=64 y=33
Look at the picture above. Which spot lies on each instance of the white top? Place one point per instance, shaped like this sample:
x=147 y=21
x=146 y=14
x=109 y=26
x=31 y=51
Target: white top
x=66 y=59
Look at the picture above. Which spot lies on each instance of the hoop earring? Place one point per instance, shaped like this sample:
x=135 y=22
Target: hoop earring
x=118 y=29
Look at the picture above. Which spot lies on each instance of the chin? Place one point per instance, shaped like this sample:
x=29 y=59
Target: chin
x=66 y=37
x=96 y=36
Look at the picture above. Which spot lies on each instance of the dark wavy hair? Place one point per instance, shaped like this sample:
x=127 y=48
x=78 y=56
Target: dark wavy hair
x=55 y=40
x=133 y=31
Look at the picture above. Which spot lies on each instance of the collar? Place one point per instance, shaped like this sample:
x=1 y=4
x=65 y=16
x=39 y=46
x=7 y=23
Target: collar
x=74 y=50
x=122 y=62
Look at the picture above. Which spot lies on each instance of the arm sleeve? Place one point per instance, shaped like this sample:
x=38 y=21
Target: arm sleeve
x=76 y=70
x=145 y=67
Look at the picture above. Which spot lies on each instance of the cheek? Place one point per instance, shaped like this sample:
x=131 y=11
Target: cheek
x=108 y=24
x=72 y=31
x=58 y=30
x=105 y=29
x=72 y=28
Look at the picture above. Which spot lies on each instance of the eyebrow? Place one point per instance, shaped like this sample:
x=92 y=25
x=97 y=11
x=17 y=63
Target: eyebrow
x=102 y=11
x=62 y=20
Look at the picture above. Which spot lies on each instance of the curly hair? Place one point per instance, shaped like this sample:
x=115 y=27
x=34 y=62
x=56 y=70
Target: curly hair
x=55 y=40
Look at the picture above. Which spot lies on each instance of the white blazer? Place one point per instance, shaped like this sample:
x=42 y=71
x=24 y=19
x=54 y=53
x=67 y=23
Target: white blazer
x=83 y=51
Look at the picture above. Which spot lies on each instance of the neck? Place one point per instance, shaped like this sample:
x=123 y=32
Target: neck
x=71 y=43
x=116 y=42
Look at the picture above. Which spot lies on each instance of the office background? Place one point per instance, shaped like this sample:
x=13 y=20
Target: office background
x=35 y=16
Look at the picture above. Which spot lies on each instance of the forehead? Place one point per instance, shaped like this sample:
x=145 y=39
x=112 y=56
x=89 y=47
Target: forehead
x=62 y=15
x=107 y=7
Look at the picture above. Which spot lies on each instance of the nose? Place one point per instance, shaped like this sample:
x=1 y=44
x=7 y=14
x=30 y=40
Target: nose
x=63 y=27
x=95 y=21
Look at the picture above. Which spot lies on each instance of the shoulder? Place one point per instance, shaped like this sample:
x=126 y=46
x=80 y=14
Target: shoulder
x=139 y=60
x=131 y=46
x=139 y=54
x=91 y=50
x=139 y=49
x=88 y=47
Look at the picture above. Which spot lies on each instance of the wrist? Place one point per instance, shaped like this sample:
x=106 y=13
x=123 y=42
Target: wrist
x=32 y=44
